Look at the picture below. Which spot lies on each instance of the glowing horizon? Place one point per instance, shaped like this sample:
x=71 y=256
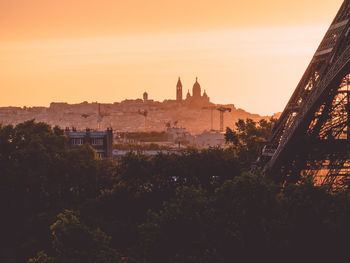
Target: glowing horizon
x=256 y=67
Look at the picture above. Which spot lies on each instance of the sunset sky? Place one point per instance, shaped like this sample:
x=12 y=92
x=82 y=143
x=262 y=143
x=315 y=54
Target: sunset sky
x=249 y=53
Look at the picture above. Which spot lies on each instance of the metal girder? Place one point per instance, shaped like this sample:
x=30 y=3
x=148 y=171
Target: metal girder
x=318 y=110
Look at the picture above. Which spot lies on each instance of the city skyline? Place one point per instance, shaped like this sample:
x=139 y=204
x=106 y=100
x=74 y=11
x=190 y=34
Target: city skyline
x=248 y=54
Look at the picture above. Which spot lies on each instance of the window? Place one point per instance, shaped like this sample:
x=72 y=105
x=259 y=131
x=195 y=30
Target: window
x=97 y=141
x=77 y=141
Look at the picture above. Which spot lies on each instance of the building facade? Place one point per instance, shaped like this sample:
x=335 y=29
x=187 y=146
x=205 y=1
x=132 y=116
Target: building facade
x=210 y=139
x=101 y=141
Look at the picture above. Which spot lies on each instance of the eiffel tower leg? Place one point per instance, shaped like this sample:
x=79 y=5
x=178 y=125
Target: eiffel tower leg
x=348 y=112
x=313 y=132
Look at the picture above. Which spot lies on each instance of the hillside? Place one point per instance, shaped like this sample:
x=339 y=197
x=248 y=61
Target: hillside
x=127 y=115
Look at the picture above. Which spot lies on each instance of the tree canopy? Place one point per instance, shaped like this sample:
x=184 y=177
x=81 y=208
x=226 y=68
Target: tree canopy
x=248 y=138
x=62 y=206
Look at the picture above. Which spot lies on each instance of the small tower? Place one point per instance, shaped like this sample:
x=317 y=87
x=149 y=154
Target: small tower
x=205 y=96
x=188 y=95
x=179 y=90
x=145 y=96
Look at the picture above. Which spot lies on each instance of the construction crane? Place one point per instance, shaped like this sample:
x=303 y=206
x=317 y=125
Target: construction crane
x=211 y=108
x=144 y=113
x=100 y=116
x=222 y=110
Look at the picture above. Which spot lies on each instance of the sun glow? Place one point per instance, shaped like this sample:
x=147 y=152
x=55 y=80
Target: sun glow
x=247 y=61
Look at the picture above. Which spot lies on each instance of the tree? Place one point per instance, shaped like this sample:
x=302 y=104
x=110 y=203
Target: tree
x=248 y=138
x=74 y=242
x=220 y=226
x=39 y=177
x=42 y=257
x=178 y=232
x=30 y=154
x=244 y=213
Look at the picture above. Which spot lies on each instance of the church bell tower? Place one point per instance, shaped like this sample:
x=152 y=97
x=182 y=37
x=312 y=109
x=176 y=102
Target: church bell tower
x=179 y=90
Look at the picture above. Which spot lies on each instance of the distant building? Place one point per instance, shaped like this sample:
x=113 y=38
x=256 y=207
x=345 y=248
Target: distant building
x=196 y=90
x=131 y=102
x=197 y=98
x=174 y=133
x=210 y=139
x=179 y=90
x=101 y=141
x=180 y=136
x=145 y=96
x=59 y=106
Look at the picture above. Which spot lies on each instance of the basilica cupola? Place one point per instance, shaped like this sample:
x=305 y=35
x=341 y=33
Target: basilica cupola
x=196 y=91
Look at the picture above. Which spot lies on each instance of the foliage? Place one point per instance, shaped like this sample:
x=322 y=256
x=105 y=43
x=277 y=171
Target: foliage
x=145 y=182
x=177 y=233
x=140 y=147
x=192 y=206
x=197 y=226
x=248 y=137
x=40 y=176
x=74 y=242
x=42 y=257
x=245 y=219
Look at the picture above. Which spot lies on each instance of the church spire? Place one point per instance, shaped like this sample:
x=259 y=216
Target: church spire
x=179 y=84
x=179 y=90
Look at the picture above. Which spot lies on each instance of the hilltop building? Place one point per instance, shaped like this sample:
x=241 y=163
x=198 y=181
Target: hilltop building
x=197 y=97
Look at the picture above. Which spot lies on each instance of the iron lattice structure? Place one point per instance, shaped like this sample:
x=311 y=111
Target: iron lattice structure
x=313 y=133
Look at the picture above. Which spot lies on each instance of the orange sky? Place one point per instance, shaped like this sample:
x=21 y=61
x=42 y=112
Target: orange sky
x=249 y=53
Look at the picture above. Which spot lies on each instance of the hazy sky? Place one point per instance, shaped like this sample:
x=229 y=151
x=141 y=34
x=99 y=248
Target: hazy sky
x=249 y=53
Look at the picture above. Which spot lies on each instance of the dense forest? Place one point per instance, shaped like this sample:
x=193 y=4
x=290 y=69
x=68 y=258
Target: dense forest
x=67 y=206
